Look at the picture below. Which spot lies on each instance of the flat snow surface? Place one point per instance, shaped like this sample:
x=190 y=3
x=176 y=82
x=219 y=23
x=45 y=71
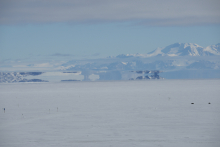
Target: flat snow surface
x=118 y=114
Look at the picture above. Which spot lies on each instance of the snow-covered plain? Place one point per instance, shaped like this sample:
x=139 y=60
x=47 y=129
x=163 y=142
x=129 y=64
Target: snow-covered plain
x=115 y=113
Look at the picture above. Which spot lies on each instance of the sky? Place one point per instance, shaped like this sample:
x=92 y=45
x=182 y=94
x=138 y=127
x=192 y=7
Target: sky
x=76 y=29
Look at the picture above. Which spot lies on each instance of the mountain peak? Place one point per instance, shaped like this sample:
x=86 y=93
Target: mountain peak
x=179 y=49
x=212 y=50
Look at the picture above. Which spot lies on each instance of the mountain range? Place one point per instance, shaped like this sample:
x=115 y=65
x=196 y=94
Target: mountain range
x=179 y=49
x=188 y=58
x=176 y=61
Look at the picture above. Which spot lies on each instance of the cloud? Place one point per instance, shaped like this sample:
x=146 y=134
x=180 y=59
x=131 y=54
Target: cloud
x=43 y=65
x=61 y=55
x=146 y=12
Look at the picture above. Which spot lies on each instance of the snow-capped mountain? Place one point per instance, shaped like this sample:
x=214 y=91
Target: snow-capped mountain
x=179 y=49
x=186 y=49
x=191 y=58
x=212 y=50
x=179 y=60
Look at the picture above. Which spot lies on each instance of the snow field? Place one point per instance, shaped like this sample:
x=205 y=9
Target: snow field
x=116 y=113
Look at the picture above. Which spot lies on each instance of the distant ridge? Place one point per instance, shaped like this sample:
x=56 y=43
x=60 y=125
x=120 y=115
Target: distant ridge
x=175 y=61
x=179 y=49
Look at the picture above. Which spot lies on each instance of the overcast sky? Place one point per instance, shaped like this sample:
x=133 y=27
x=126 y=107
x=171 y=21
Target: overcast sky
x=99 y=28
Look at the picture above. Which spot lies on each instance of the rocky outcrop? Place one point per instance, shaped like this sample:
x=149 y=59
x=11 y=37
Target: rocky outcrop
x=12 y=77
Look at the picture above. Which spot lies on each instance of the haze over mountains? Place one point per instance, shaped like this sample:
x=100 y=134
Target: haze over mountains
x=176 y=61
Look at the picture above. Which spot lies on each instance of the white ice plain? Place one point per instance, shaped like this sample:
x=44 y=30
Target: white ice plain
x=103 y=114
